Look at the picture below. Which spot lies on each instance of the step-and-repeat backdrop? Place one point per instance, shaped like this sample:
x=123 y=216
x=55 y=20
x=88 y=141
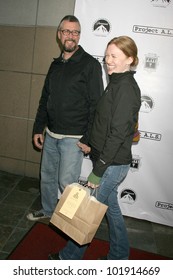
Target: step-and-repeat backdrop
x=147 y=192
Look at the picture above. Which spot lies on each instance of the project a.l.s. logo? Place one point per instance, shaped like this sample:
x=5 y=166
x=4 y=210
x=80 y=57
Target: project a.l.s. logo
x=101 y=27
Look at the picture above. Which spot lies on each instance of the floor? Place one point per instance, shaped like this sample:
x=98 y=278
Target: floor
x=20 y=195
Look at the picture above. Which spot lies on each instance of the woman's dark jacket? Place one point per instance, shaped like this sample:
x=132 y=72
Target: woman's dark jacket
x=70 y=94
x=115 y=120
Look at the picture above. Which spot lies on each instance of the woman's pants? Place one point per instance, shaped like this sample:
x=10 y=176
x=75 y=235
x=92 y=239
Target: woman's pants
x=107 y=194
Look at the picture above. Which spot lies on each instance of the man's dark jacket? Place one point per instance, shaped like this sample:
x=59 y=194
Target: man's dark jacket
x=71 y=91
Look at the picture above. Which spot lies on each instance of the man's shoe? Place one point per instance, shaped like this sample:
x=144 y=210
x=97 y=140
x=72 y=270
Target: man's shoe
x=37 y=215
x=53 y=256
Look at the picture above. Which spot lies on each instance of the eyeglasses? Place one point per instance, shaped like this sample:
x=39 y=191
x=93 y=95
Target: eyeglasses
x=67 y=32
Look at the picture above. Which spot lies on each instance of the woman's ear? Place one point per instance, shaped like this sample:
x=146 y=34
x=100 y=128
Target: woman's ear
x=130 y=60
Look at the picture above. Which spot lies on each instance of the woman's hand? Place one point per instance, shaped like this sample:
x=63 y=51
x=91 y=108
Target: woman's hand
x=93 y=181
x=91 y=185
x=84 y=148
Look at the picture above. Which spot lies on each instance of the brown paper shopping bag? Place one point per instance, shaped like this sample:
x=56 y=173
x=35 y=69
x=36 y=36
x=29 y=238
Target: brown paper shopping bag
x=78 y=214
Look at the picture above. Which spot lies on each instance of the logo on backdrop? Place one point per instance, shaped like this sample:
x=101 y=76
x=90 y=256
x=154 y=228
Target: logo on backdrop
x=101 y=28
x=128 y=196
x=147 y=104
x=151 y=30
x=151 y=62
x=160 y=3
x=150 y=135
x=164 y=205
x=136 y=163
x=99 y=58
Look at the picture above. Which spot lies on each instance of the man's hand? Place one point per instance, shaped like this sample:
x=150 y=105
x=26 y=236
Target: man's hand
x=38 y=140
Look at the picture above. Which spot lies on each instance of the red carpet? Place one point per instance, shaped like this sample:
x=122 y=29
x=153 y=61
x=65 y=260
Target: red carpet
x=43 y=239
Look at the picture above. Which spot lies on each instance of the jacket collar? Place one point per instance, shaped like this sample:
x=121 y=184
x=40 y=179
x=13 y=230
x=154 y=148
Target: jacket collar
x=117 y=76
x=74 y=58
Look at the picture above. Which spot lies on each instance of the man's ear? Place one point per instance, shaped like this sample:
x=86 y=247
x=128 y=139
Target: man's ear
x=58 y=34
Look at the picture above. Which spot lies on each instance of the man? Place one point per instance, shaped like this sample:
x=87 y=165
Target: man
x=66 y=110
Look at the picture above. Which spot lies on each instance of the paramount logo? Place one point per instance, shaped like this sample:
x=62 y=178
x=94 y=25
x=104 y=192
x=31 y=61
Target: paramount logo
x=160 y=3
x=101 y=28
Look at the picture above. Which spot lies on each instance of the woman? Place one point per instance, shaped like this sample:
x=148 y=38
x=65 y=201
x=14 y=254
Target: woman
x=111 y=140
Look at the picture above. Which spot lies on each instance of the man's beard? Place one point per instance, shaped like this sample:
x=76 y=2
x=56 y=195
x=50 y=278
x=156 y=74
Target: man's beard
x=69 y=49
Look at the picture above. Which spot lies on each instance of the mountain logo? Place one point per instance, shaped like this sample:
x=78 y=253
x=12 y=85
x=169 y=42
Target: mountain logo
x=160 y=3
x=128 y=196
x=101 y=28
x=147 y=104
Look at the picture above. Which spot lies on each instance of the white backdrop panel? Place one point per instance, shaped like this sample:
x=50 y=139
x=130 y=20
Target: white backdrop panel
x=147 y=192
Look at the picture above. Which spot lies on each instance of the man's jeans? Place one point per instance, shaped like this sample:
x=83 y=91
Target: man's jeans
x=107 y=193
x=61 y=165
